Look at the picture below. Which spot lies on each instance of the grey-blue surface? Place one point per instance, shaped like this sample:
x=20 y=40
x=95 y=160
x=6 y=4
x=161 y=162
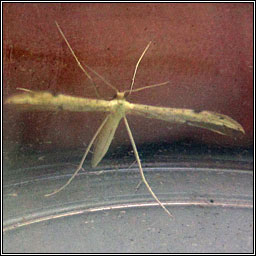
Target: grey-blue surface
x=212 y=209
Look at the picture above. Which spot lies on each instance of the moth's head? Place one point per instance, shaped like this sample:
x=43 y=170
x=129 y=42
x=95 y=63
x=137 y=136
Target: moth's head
x=121 y=95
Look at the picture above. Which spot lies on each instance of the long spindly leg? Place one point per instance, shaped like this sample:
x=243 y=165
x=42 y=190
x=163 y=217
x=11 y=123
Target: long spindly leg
x=82 y=161
x=146 y=87
x=140 y=167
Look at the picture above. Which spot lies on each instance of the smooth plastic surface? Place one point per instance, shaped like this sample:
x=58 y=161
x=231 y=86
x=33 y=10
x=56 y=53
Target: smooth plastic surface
x=101 y=211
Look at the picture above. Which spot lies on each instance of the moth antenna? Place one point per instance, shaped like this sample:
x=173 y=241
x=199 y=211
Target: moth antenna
x=77 y=60
x=137 y=65
x=102 y=78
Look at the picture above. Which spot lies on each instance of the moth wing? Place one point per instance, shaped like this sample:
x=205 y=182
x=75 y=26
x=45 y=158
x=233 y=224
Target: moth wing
x=105 y=137
x=43 y=101
x=212 y=121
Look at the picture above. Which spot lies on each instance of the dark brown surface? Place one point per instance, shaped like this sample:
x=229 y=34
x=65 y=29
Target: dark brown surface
x=205 y=50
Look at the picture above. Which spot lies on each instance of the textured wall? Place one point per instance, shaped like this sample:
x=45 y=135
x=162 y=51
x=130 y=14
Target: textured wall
x=205 y=50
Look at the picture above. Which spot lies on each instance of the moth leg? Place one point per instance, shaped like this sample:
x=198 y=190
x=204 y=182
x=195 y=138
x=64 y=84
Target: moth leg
x=140 y=167
x=140 y=182
x=138 y=186
x=82 y=161
x=25 y=90
x=147 y=87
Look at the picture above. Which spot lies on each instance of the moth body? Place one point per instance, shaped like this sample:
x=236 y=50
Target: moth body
x=102 y=143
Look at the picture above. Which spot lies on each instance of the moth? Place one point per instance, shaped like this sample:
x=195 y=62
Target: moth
x=117 y=109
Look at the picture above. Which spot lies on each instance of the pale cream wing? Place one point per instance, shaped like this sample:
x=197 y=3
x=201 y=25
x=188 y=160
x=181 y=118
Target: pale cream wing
x=33 y=100
x=105 y=137
x=205 y=119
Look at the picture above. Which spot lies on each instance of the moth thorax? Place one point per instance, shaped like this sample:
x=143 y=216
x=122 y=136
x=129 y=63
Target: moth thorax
x=120 y=95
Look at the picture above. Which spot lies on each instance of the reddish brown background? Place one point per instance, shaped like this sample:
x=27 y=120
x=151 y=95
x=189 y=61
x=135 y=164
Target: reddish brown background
x=205 y=50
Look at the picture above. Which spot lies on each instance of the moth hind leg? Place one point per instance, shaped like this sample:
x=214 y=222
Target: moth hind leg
x=141 y=170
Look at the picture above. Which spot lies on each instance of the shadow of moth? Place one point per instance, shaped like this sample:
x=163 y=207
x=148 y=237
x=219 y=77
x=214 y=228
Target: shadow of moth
x=118 y=109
